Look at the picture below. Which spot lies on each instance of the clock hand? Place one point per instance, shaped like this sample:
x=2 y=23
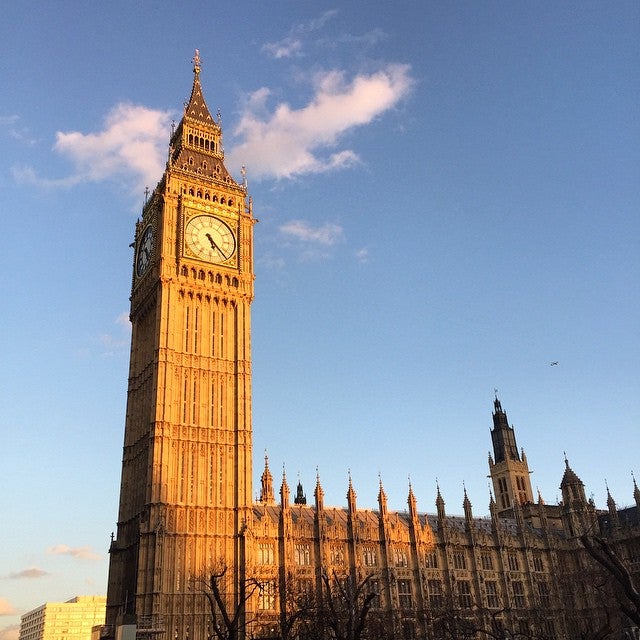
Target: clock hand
x=215 y=246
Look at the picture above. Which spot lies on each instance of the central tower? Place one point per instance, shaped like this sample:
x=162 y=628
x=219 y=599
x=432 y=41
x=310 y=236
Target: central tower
x=185 y=490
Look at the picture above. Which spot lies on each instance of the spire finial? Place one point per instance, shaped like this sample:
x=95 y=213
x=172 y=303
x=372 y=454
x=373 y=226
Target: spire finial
x=243 y=172
x=196 y=62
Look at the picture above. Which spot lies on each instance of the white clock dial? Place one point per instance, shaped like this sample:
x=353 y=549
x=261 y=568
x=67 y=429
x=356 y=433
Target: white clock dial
x=145 y=247
x=210 y=238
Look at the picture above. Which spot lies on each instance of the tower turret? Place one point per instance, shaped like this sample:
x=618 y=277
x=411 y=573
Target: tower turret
x=301 y=497
x=266 y=484
x=319 y=494
x=284 y=492
x=509 y=471
x=440 y=505
x=577 y=512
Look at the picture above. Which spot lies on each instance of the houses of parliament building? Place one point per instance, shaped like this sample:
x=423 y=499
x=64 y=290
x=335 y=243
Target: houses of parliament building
x=197 y=557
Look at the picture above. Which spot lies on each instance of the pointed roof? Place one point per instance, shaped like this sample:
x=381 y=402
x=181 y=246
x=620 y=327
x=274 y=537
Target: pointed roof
x=569 y=476
x=381 y=492
x=301 y=497
x=611 y=503
x=266 y=481
x=197 y=107
x=319 y=492
x=503 y=436
x=351 y=495
x=284 y=489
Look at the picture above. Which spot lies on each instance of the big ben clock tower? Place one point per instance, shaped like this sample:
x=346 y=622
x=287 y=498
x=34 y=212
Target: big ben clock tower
x=185 y=492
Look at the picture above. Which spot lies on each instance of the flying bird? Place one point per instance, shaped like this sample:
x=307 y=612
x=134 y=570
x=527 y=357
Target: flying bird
x=553 y=364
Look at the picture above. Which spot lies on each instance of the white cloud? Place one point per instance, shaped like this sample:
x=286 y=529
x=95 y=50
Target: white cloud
x=131 y=146
x=362 y=255
x=33 y=572
x=82 y=553
x=288 y=142
x=6 y=608
x=328 y=234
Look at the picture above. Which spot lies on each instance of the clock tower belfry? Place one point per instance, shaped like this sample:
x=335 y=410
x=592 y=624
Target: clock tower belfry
x=185 y=494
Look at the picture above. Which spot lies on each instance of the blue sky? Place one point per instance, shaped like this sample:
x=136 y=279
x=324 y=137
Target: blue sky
x=448 y=196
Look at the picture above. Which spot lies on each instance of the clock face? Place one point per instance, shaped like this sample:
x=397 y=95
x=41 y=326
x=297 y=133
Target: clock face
x=210 y=239
x=145 y=247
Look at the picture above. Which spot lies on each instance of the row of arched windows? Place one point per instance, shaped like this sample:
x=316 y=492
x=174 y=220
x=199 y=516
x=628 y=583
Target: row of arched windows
x=206 y=195
x=202 y=143
x=199 y=274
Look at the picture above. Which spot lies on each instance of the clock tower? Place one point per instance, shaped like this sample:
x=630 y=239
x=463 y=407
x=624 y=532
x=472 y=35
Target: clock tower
x=185 y=492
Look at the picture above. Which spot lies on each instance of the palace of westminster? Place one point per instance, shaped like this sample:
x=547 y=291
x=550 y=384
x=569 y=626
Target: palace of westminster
x=197 y=557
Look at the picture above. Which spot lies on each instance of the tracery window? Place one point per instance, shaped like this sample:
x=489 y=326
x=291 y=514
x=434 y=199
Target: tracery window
x=400 y=557
x=404 y=594
x=493 y=601
x=267 y=595
x=519 y=600
x=543 y=592
x=302 y=554
x=337 y=556
x=464 y=594
x=369 y=557
x=538 y=564
x=459 y=561
x=434 y=588
x=373 y=588
x=265 y=553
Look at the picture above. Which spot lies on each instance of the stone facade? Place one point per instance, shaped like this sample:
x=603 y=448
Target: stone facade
x=186 y=507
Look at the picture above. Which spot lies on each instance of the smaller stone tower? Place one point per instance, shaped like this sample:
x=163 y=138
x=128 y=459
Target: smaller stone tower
x=508 y=469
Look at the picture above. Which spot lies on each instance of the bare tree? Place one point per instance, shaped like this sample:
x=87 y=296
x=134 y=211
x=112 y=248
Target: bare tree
x=346 y=603
x=627 y=593
x=226 y=604
x=450 y=621
x=298 y=612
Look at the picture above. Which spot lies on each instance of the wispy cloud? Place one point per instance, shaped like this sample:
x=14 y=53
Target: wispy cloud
x=292 y=44
x=327 y=234
x=362 y=255
x=114 y=344
x=10 y=633
x=81 y=553
x=286 y=48
x=131 y=146
x=33 y=572
x=124 y=321
x=311 y=242
x=6 y=608
x=14 y=129
x=288 y=142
